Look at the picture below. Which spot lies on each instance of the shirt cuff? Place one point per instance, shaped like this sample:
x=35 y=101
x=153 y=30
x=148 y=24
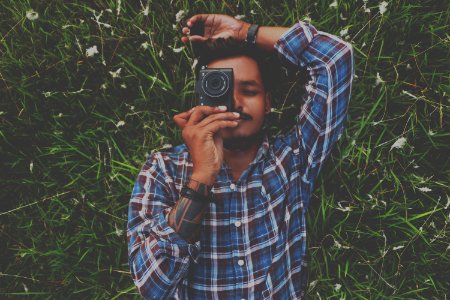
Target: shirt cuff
x=170 y=241
x=293 y=42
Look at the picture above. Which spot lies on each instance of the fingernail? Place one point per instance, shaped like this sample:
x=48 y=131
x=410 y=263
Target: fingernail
x=222 y=107
x=192 y=109
x=236 y=114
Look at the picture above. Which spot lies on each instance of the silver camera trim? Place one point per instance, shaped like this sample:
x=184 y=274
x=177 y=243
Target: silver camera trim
x=227 y=82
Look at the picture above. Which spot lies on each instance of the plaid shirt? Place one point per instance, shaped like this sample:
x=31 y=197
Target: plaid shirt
x=253 y=237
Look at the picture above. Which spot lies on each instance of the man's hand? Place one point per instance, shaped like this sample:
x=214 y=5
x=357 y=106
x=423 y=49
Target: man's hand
x=216 y=26
x=202 y=137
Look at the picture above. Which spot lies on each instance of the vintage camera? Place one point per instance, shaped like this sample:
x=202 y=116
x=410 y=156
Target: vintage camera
x=214 y=87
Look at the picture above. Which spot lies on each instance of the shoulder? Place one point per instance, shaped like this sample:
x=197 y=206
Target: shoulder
x=169 y=159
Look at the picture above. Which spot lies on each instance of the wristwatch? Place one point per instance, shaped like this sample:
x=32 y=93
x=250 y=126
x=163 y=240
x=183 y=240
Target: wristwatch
x=251 y=34
x=202 y=193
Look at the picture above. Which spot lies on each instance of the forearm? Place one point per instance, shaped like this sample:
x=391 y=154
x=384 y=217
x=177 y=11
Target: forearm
x=266 y=37
x=187 y=215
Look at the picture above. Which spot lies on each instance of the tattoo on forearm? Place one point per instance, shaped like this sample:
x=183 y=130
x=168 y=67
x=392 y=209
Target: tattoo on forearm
x=186 y=218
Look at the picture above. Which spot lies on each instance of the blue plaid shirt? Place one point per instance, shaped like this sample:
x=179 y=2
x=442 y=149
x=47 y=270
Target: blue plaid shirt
x=253 y=238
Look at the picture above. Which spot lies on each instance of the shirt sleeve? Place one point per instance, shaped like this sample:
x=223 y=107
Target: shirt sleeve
x=159 y=258
x=329 y=62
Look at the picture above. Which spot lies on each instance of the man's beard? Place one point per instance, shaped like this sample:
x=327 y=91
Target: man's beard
x=243 y=142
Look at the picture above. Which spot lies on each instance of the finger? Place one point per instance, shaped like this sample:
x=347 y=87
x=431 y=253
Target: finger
x=185 y=30
x=200 y=112
x=231 y=116
x=197 y=38
x=182 y=118
x=196 y=18
x=216 y=126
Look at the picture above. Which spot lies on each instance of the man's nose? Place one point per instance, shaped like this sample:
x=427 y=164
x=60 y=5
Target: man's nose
x=236 y=101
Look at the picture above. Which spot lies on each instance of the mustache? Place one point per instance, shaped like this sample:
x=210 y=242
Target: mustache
x=243 y=116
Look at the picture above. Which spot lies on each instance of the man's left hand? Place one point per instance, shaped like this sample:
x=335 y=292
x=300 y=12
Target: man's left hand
x=216 y=26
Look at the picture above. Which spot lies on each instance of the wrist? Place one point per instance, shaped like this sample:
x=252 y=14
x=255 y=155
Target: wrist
x=201 y=183
x=242 y=35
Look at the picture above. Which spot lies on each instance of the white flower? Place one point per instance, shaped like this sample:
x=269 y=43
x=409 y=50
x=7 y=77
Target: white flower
x=367 y=10
x=379 y=79
x=337 y=287
x=342 y=17
x=116 y=73
x=431 y=132
x=177 y=50
x=334 y=4
x=343 y=32
x=313 y=284
x=146 y=9
x=383 y=7
x=118 y=230
x=194 y=64
x=425 y=189
x=145 y=45
x=91 y=51
x=179 y=16
x=398 y=247
x=104 y=86
x=252 y=12
x=307 y=19
x=239 y=17
x=165 y=146
x=363 y=44
x=120 y=123
x=408 y=67
x=123 y=85
x=160 y=53
x=32 y=15
x=31 y=166
x=399 y=143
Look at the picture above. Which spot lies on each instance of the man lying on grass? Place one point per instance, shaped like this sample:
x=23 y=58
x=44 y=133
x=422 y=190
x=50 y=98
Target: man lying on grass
x=223 y=215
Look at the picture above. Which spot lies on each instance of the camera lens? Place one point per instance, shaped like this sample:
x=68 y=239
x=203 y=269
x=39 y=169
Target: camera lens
x=215 y=84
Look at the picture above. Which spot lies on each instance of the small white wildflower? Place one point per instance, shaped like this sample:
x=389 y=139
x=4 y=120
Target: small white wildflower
x=425 y=189
x=334 y=4
x=91 y=51
x=179 y=16
x=120 y=123
x=342 y=17
x=165 y=146
x=344 y=209
x=400 y=143
x=160 y=53
x=118 y=230
x=60 y=115
x=398 y=247
x=353 y=142
x=383 y=7
x=109 y=10
x=379 y=79
x=415 y=166
x=25 y=288
x=177 y=50
x=431 y=132
x=363 y=44
x=337 y=287
x=408 y=67
x=252 y=12
x=146 y=9
x=119 y=4
x=343 y=32
x=239 y=17
x=145 y=45
x=313 y=284
x=384 y=202
x=116 y=73
x=174 y=26
x=47 y=94
x=307 y=19
x=104 y=86
x=367 y=10
x=123 y=85
x=32 y=15
x=31 y=166
x=194 y=64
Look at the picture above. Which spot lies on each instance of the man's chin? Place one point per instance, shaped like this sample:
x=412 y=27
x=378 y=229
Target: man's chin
x=240 y=141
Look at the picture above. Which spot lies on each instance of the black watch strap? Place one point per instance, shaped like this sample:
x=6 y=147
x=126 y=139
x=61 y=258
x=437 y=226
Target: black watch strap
x=251 y=34
x=194 y=195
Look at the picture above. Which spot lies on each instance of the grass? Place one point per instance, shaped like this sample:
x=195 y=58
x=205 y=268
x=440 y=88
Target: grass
x=378 y=221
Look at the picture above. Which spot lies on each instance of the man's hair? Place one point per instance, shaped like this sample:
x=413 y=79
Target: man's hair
x=221 y=48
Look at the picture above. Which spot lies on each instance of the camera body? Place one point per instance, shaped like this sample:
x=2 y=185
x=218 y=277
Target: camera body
x=214 y=87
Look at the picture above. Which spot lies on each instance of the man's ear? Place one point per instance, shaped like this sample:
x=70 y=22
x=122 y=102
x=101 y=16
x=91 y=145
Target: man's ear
x=268 y=102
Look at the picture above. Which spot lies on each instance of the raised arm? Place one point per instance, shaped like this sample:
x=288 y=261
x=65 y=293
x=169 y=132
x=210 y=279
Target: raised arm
x=330 y=64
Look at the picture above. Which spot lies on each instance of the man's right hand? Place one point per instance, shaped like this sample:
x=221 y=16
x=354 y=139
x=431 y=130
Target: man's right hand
x=202 y=137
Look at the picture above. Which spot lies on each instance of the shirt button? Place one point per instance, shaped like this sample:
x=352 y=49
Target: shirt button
x=232 y=186
x=240 y=262
x=237 y=223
